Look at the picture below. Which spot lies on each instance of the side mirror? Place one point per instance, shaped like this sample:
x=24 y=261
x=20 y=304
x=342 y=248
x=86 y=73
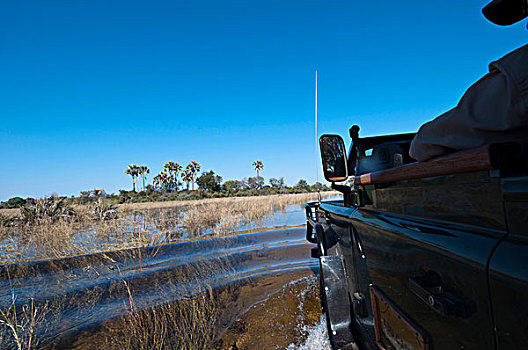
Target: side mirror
x=334 y=159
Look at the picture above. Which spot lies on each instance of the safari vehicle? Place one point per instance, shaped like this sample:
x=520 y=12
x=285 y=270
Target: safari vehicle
x=430 y=255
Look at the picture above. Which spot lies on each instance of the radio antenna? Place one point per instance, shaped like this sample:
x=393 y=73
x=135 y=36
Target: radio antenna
x=316 y=143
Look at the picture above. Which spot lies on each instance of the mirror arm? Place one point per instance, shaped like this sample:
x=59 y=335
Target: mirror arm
x=345 y=190
x=353 y=155
x=341 y=188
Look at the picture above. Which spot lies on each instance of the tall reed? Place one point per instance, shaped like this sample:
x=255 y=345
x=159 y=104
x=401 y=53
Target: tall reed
x=57 y=231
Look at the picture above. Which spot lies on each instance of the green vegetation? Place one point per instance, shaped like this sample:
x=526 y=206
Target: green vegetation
x=16 y=202
x=168 y=186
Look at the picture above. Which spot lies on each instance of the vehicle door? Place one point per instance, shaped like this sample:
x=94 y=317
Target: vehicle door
x=509 y=269
x=423 y=246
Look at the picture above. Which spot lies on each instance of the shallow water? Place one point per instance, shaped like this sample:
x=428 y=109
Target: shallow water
x=292 y=215
x=317 y=337
x=138 y=228
x=222 y=286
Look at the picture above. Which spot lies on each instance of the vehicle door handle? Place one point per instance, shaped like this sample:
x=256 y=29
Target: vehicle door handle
x=430 y=290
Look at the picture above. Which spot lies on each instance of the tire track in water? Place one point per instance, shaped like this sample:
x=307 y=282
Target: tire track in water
x=84 y=292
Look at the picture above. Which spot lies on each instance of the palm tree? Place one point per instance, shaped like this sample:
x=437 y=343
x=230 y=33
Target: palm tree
x=176 y=168
x=258 y=165
x=133 y=171
x=186 y=177
x=163 y=180
x=194 y=168
x=144 y=171
x=166 y=180
x=156 y=181
x=173 y=169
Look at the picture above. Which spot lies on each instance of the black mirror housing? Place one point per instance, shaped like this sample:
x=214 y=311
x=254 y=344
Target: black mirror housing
x=334 y=159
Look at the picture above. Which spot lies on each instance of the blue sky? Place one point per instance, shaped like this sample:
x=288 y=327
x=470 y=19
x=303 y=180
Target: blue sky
x=88 y=87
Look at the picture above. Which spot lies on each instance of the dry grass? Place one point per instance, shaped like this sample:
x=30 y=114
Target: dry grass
x=137 y=225
x=19 y=328
x=276 y=199
x=187 y=321
x=198 y=320
x=223 y=215
x=186 y=324
x=9 y=212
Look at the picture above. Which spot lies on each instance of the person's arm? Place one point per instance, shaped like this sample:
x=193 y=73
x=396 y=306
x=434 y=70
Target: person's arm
x=485 y=111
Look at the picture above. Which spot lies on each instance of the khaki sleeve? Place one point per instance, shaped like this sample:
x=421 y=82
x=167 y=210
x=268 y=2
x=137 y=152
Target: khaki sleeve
x=485 y=111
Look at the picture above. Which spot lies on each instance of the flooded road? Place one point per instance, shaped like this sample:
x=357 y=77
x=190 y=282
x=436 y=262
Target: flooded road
x=233 y=292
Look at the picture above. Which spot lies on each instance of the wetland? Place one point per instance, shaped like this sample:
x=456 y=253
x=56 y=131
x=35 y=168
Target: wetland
x=223 y=273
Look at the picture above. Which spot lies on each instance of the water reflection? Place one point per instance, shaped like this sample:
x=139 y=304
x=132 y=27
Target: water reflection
x=173 y=224
x=83 y=293
x=90 y=300
x=149 y=224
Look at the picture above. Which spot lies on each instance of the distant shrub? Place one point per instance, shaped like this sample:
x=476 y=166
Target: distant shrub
x=188 y=195
x=15 y=202
x=47 y=209
x=104 y=210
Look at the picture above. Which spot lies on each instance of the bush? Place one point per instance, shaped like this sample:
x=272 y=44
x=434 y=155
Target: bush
x=47 y=209
x=188 y=195
x=15 y=202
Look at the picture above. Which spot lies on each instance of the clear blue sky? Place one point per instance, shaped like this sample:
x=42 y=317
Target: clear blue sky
x=88 y=87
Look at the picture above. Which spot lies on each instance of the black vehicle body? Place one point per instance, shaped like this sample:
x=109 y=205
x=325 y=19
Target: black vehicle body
x=434 y=262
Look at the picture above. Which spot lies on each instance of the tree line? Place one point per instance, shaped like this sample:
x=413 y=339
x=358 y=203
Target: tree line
x=177 y=183
x=169 y=178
